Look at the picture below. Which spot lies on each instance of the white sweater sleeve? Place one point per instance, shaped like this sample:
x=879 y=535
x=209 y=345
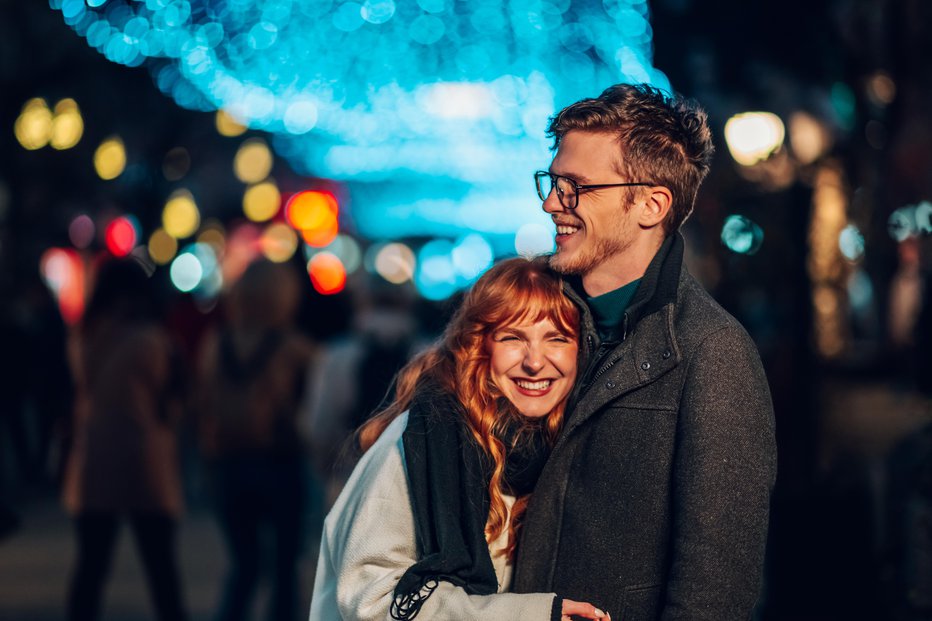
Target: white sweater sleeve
x=368 y=544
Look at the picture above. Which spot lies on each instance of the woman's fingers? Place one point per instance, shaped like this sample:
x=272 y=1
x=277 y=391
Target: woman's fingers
x=582 y=609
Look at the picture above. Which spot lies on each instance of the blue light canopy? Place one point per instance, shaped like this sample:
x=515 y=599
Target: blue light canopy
x=434 y=111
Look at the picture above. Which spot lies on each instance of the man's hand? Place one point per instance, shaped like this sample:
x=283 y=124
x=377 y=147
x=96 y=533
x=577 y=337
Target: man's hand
x=582 y=609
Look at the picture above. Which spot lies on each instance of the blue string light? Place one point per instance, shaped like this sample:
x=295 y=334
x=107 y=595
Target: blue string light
x=435 y=108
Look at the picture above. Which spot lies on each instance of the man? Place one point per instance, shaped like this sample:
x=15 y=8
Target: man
x=654 y=502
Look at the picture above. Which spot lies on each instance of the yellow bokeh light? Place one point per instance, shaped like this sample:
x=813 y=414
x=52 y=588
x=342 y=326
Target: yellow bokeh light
x=162 y=247
x=227 y=125
x=753 y=136
x=67 y=125
x=213 y=234
x=278 y=242
x=253 y=161
x=262 y=201
x=180 y=217
x=33 y=127
x=110 y=158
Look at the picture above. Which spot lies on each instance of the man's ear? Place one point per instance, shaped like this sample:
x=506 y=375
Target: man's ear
x=657 y=205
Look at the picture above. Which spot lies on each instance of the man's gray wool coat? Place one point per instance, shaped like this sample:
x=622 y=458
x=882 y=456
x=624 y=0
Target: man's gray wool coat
x=654 y=503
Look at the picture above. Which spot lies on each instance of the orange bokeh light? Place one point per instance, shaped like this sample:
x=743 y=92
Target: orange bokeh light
x=327 y=273
x=120 y=236
x=315 y=214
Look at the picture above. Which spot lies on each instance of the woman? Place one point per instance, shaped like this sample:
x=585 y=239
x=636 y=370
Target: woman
x=124 y=462
x=427 y=522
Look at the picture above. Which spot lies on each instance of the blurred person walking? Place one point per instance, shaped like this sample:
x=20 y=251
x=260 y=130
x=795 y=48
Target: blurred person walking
x=252 y=372
x=123 y=463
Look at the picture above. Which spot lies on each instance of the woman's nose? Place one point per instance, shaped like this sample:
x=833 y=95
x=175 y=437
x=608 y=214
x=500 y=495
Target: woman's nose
x=533 y=359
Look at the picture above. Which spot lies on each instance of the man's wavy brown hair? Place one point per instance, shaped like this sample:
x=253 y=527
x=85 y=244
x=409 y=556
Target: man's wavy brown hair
x=663 y=140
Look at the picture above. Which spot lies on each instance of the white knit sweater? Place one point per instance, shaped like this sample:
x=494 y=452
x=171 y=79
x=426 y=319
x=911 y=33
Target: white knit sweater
x=368 y=543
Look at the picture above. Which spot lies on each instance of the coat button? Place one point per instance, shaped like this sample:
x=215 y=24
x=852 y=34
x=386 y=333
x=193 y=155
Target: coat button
x=609 y=384
x=666 y=354
x=645 y=365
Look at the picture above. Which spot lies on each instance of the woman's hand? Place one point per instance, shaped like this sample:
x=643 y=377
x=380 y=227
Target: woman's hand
x=582 y=609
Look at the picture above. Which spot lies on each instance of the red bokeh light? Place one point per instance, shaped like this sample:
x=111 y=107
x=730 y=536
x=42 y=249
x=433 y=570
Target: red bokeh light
x=120 y=236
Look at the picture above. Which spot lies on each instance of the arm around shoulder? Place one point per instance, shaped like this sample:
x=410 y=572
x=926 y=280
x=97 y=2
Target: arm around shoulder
x=724 y=471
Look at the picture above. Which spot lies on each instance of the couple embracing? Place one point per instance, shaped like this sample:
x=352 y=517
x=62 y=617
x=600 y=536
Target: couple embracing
x=592 y=436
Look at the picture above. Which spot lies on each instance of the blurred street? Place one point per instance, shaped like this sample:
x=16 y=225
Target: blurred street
x=35 y=562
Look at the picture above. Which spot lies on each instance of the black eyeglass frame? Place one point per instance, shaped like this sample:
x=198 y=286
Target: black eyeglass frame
x=540 y=174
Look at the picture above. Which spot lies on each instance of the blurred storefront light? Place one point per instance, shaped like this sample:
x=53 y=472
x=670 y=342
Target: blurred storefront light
x=63 y=272
x=33 y=126
x=121 y=236
x=278 y=242
x=851 y=243
x=809 y=138
x=180 y=216
x=162 y=247
x=741 y=235
x=753 y=136
x=81 y=231
x=110 y=158
x=328 y=275
x=262 y=201
x=395 y=263
x=67 y=125
x=253 y=161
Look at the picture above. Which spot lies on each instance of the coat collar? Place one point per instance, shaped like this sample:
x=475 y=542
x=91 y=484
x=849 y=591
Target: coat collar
x=648 y=348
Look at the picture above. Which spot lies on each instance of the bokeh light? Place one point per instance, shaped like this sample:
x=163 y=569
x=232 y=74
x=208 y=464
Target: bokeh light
x=315 y=214
x=81 y=231
x=262 y=201
x=110 y=158
x=186 y=272
x=809 y=137
x=328 y=275
x=741 y=235
x=851 y=243
x=227 y=125
x=434 y=100
x=33 y=127
x=162 y=247
x=435 y=276
x=63 y=272
x=67 y=125
x=472 y=255
x=278 y=242
x=753 y=136
x=394 y=262
x=214 y=235
x=180 y=216
x=253 y=161
x=120 y=236
x=347 y=250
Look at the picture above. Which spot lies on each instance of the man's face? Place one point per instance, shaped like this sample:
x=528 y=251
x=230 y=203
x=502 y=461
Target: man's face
x=596 y=234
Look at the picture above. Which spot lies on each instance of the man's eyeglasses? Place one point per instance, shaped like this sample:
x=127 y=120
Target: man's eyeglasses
x=567 y=189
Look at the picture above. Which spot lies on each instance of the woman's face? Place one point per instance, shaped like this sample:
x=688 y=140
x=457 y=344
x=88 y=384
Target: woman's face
x=533 y=364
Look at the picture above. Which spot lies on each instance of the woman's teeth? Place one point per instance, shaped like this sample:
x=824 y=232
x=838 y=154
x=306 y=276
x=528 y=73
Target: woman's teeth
x=538 y=385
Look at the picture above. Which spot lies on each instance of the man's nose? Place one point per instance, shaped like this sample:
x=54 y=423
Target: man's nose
x=552 y=204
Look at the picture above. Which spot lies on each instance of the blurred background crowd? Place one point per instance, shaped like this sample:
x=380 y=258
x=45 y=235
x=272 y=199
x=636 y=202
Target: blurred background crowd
x=225 y=224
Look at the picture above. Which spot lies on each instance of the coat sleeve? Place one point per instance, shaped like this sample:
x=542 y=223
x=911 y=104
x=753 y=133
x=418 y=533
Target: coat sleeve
x=724 y=471
x=367 y=545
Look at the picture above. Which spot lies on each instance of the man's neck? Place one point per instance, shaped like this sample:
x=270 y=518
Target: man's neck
x=626 y=267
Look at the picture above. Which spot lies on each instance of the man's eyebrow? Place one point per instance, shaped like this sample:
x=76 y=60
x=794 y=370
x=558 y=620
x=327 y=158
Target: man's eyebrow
x=579 y=178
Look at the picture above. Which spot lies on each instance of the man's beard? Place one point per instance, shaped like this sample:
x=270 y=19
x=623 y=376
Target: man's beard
x=584 y=260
